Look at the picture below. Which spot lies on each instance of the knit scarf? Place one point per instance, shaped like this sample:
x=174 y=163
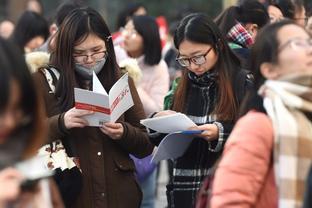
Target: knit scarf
x=288 y=102
x=238 y=34
x=201 y=94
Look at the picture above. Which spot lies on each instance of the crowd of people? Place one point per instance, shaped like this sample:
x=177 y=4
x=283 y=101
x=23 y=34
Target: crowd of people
x=244 y=78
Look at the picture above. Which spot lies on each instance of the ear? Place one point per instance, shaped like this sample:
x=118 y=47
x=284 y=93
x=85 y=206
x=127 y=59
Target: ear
x=252 y=29
x=53 y=29
x=268 y=70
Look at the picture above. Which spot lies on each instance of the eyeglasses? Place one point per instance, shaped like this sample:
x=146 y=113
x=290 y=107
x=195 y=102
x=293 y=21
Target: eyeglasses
x=132 y=33
x=297 y=44
x=97 y=56
x=302 y=18
x=198 y=59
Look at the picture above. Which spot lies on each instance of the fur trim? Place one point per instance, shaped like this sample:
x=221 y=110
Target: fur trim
x=131 y=66
x=36 y=59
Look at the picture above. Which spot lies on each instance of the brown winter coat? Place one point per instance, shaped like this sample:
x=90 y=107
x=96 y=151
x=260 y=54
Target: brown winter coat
x=108 y=171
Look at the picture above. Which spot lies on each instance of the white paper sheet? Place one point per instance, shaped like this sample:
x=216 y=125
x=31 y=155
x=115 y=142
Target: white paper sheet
x=107 y=108
x=172 y=146
x=178 y=139
x=169 y=123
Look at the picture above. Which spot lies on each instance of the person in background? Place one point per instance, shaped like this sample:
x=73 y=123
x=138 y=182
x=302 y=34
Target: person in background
x=131 y=9
x=62 y=11
x=30 y=32
x=294 y=10
x=35 y=6
x=268 y=154
x=170 y=54
x=240 y=24
x=142 y=42
x=309 y=14
x=22 y=132
x=275 y=13
x=108 y=178
x=209 y=93
x=6 y=28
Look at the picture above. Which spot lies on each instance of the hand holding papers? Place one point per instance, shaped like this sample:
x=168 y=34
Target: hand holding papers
x=178 y=139
x=106 y=107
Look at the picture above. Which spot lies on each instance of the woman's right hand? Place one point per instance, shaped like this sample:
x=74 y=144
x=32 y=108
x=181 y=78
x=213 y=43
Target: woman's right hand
x=164 y=113
x=73 y=118
x=10 y=180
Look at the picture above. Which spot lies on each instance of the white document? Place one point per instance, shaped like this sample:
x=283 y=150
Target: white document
x=178 y=139
x=106 y=107
x=169 y=123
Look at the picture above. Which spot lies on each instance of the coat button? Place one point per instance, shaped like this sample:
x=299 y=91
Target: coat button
x=103 y=194
x=99 y=153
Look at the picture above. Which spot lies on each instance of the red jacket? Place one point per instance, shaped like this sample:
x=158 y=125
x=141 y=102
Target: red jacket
x=245 y=175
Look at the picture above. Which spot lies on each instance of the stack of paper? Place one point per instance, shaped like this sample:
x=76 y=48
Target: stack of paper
x=178 y=139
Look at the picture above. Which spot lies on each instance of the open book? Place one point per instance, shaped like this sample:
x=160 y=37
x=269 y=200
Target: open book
x=106 y=107
x=178 y=139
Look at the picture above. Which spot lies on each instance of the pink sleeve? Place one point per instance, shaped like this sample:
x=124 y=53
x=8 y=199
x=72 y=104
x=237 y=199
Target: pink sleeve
x=245 y=162
x=153 y=99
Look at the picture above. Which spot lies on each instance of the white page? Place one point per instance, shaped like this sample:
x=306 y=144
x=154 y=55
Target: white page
x=120 y=98
x=96 y=102
x=172 y=146
x=169 y=123
x=97 y=86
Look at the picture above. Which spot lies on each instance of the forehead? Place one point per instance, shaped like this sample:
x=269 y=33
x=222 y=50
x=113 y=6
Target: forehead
x=273 y=10
x=188 y=48
x=90 y=41
x=291 y=31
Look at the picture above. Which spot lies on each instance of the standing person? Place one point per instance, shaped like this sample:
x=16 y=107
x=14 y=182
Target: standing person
x=30 y=32
x=268 y=155
x=130 y=10
x=83 y=44
x=240 y=24
x=22 y=131
x=209 y=93
x=142 y=41
x=294 y=10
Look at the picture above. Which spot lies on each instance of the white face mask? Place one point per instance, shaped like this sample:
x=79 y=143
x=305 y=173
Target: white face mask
x=86 y=72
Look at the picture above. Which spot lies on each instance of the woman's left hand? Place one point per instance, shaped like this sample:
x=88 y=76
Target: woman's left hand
x=113 y=130
x=210 y=131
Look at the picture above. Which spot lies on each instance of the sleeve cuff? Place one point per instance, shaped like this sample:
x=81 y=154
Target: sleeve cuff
x=61 y=124
x=219 y=145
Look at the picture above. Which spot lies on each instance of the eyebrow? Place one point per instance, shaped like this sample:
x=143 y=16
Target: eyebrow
x=192 y=54
x=91 y=49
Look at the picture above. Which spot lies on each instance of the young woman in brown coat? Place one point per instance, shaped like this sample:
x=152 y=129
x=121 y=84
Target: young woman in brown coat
x=83 y=45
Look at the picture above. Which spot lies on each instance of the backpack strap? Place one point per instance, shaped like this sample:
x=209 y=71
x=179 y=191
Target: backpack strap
x=52 y=76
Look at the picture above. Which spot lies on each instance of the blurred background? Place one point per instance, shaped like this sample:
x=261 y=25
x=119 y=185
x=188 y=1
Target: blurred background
x=171 y=9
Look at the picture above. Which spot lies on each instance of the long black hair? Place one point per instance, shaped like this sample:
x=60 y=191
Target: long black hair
x=75 y=29
x=199 y=28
